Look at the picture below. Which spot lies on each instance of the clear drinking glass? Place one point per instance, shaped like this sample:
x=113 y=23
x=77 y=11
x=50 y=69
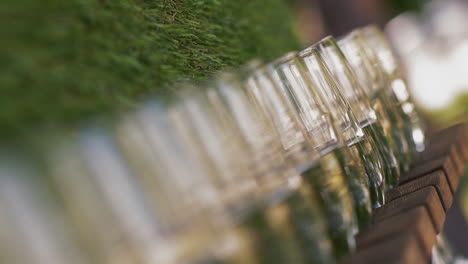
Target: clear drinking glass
x=397 y=86
x=345 y=85
x=326 y=175
x=389 y=136
x=102 y=199
x=336 y=105
x=274 y=102
x=299 y=152
x=222 y=146
x=185 y=201
x=323 y=135
x=263 y=156
x=32 y=226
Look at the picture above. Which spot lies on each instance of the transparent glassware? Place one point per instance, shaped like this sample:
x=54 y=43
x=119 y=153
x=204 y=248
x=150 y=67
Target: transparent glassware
x=397 y=87
x=324 y=175
x=102 y=199
x=271 y=217
x=32 y=226
x=299 y=152
x=232 y=102
x=274 y=102
x=223 y=147
x=187 y=205
x=393 y=146
x=316 y=72
x=323 y=135
x=354 y=102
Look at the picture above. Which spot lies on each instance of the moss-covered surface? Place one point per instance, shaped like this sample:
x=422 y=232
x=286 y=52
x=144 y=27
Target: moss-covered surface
x=65 y=61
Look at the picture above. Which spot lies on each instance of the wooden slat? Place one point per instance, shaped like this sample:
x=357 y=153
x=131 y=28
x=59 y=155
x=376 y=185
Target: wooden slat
x=444 y=163
x=404 y=230
x=438 y=149
x=436 y=179
x=402 y=249
x=415 y=220
x=456 y=133
x=426 y=197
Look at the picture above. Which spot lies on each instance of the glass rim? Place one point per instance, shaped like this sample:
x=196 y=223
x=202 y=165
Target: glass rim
x=288 y=57
x=314 y=47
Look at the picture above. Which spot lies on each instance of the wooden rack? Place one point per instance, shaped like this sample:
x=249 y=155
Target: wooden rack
x=404 y=230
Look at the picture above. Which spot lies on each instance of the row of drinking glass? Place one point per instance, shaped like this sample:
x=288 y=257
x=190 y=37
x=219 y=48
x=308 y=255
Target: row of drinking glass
x=277 y=163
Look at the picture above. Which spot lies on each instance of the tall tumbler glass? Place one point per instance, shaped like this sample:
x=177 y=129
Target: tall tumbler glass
x=397 y=87
x=101 y=198
x=323 y=134
x=301 y=154
x=176 y=187
x=393 y=146
x=325 y=175
x=32 y=224
x=336 y=104
x=330 y=54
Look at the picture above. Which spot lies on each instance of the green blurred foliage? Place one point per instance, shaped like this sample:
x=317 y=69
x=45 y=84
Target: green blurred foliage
x=456 y=112
x=397 y=7
x=65 y=61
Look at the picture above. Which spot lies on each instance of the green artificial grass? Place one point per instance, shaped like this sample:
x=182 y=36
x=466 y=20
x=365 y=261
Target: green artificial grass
x=67 y=61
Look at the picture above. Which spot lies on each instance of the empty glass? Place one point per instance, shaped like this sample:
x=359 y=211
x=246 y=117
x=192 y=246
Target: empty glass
x=232 y=102
x=176 y=187
x=335 y=104
x=320 y=128
x=341 y=225
x=32 y=226
x=326 y=176
x=102 y=199
x=389 y=135
x=356 y=103
x=272 y=100
x=343 y=133
x=397 y=86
